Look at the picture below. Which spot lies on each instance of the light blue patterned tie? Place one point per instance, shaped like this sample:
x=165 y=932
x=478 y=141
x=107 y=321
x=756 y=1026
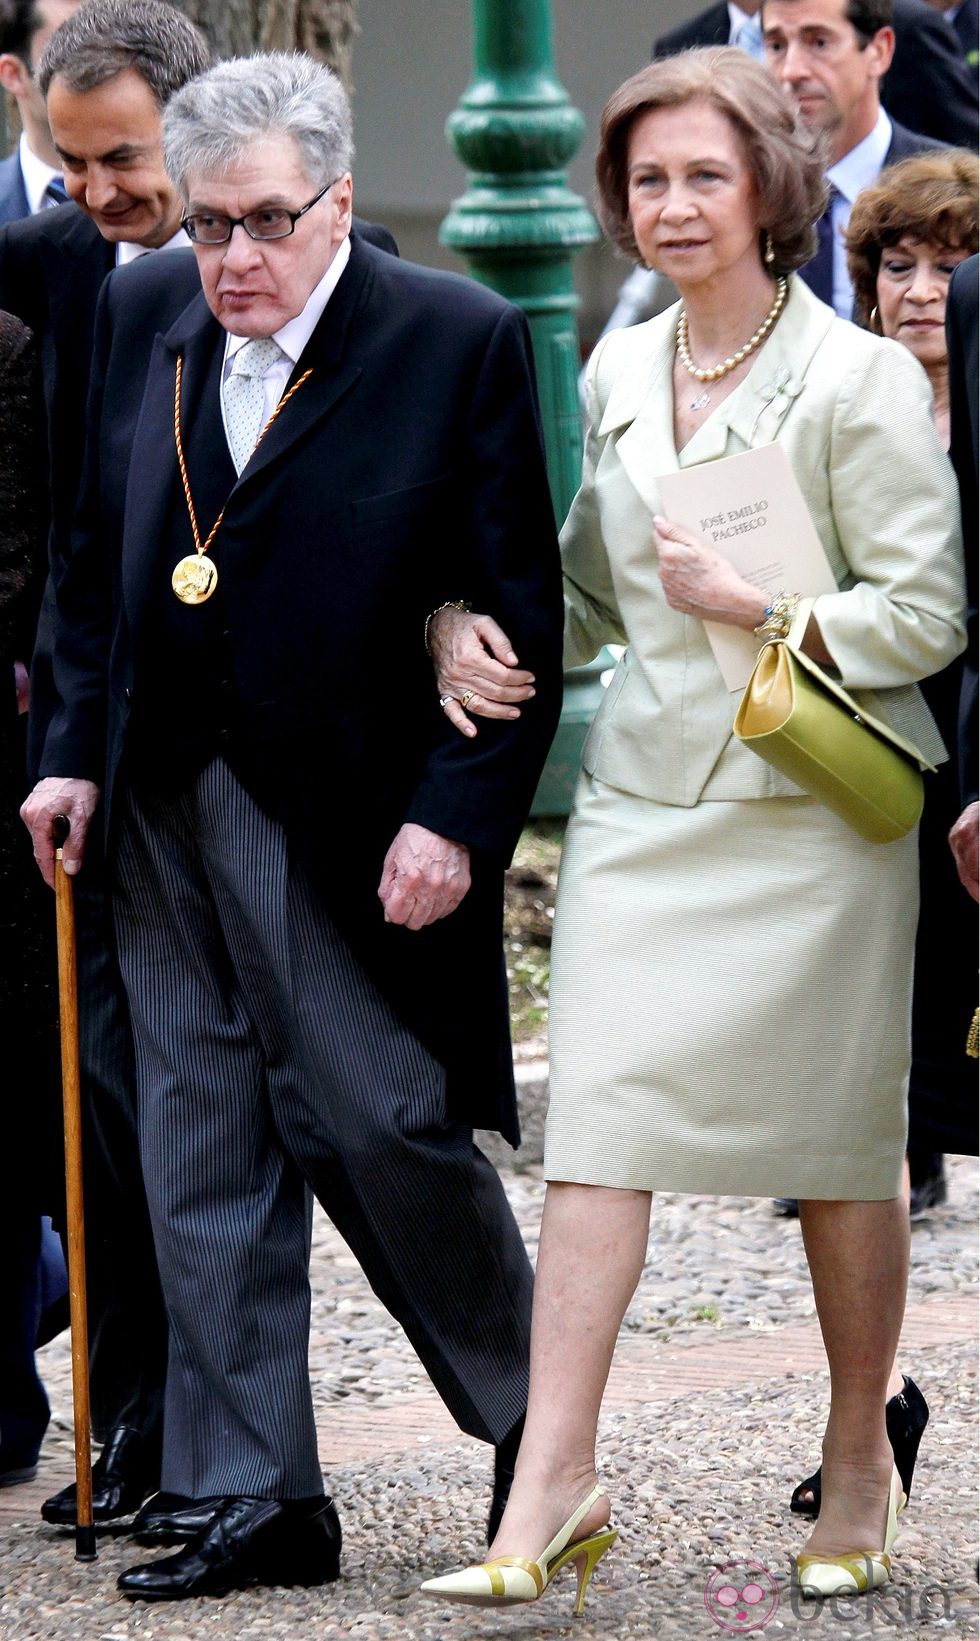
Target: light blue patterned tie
x=749 y=37
x=243 y=396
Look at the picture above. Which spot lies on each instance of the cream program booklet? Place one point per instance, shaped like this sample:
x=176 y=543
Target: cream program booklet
x=750 y=508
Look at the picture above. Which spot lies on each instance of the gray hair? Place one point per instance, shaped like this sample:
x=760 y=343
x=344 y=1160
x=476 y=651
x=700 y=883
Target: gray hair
x=105 y=37
x=214 y=120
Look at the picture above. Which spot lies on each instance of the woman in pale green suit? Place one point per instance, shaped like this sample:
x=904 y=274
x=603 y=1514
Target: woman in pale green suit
x=732 y=964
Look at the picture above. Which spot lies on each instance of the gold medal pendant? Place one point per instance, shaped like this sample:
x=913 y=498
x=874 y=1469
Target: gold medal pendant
x=194 y=578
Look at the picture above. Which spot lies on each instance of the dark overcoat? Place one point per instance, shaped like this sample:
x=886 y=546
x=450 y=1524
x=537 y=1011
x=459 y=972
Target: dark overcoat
x=406 y=471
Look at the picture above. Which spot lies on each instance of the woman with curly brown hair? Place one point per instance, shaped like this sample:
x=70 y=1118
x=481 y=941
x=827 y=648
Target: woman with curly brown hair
x=731 y=964
x=904 y=238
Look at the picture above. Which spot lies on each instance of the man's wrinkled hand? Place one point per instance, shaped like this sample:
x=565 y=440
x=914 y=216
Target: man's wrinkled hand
x=964 y=840
x=424 y=877
x=473 y=658
x=52 y=797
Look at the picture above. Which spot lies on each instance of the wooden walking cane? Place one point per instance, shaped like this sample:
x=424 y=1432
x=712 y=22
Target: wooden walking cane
x=71 y=1095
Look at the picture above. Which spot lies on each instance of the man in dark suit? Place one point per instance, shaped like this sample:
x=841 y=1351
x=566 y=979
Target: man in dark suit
x=51 y=270
x=832 y=65
x=306 y=858
x=928 y=87
x=107 y=77
x=30 y=177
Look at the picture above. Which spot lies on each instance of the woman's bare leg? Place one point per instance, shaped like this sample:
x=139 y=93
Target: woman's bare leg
x=858 y=1257
x=593 y=1244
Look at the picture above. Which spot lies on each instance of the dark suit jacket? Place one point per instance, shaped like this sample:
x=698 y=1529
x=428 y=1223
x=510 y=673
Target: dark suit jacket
x=964 y=371
x=408 y=469
x=928 y=87
x=28 y=1002
x=966 y=27
x=707 y=28
x=13 y=194
x=51 y=270
x=904 y=143
x=52 y=266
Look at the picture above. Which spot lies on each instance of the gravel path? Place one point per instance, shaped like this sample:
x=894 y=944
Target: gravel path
x=699 y=1476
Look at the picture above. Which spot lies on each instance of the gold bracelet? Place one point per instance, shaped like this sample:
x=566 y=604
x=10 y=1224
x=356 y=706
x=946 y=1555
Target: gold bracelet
x=450 y=604
x=777 y=617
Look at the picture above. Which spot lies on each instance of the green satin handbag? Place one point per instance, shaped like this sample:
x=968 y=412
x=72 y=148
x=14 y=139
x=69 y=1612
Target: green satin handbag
x=796 y=718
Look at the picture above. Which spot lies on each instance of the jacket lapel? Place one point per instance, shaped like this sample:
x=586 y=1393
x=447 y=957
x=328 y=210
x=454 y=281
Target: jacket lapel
x=753 y=414
x=642 y=401
x=153 y=470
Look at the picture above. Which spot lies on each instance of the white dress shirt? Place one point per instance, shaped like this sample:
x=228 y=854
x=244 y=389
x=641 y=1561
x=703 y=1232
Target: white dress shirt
x=858 y=169
x=36 y=174
x=292 y=337
x=127 y=253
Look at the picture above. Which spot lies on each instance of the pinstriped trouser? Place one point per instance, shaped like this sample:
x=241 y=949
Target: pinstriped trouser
x=267 y=1062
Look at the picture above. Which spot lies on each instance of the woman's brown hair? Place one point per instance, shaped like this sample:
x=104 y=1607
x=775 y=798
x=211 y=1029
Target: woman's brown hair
x=931 y=198
x=784 y=157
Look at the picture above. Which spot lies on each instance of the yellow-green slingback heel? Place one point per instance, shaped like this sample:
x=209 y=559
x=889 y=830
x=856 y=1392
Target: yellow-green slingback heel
x=591 y=1550
x=859 y=1570
x=510 y=1581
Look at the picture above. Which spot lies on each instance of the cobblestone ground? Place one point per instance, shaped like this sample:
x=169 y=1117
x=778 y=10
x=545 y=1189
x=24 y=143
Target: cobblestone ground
x=713 y=1413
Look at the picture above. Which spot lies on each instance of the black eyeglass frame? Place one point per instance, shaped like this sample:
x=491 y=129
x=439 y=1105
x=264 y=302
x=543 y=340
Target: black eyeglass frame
x=187 y=223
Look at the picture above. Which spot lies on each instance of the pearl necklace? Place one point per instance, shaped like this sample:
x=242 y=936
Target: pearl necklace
x=715 y=372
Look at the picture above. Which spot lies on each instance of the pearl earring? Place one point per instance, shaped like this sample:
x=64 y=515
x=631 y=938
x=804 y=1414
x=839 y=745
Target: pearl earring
x=769 y=255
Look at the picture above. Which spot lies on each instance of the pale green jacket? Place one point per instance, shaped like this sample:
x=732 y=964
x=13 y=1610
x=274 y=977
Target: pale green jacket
x=853 y=413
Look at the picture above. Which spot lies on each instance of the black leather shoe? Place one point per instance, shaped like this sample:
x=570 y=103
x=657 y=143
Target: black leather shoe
x=505 y=1458
x=251 y=1541
x=127 y=1469
x=170 y=1518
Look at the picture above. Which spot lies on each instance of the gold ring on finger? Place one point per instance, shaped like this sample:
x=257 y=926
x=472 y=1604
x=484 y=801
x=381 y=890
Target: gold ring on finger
x=466 y=697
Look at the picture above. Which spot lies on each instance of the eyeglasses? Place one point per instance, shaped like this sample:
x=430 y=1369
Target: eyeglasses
x=269 y=222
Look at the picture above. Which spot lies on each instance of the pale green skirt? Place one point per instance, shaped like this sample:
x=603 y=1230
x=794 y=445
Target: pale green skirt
x=730 y=999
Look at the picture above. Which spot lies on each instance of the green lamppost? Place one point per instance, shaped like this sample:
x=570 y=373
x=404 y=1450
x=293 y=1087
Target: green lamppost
x=518 y=226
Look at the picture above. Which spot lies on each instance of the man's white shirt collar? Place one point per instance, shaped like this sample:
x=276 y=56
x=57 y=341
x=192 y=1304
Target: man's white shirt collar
x=36 y=174
x=126 y=253
x=294 y=335
x=861 y=166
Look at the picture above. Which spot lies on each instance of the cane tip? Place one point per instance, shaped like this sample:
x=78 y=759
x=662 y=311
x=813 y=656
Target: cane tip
x=85 y=1549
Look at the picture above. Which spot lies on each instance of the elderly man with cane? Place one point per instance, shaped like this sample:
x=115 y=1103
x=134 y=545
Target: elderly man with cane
x=305 y=859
